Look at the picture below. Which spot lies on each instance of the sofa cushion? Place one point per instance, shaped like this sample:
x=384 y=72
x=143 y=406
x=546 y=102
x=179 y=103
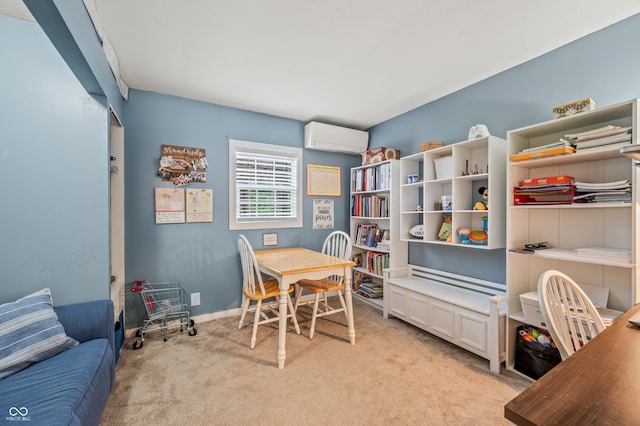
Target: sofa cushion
x=70 y=388
x=30 y=332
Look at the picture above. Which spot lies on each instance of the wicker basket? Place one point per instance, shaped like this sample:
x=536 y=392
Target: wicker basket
x=430 y=145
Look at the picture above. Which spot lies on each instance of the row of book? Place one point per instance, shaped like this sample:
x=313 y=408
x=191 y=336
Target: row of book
x=368 y=234
x=364 y=285
x=371 y=178
x=573 y=142
x=566 y=190
x=369 y=206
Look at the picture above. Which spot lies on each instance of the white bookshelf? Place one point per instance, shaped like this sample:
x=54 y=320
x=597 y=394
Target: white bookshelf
x=384 y=186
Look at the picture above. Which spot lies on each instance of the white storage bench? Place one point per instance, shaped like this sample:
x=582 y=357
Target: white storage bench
x=465 y=311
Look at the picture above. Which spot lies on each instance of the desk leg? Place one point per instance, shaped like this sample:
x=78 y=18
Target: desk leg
x=348 y=301
x=282 y=326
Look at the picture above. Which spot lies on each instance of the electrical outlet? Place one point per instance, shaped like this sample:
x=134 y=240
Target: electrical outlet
x=195 y=299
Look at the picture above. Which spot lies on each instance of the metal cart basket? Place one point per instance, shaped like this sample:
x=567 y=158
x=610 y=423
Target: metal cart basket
x=167 y=307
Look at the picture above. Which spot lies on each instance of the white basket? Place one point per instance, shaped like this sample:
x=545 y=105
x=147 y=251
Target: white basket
x=444 y=167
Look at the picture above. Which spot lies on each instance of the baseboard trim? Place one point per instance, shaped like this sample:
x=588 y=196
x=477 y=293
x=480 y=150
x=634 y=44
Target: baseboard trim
x=235 y=312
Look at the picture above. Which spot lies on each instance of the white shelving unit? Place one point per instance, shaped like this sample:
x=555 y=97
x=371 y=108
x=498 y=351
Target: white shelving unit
x=475 y=163
x=381 y=189
x=566 y=227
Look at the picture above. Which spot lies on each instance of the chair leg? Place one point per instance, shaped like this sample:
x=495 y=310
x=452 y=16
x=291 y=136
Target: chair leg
x=344 y=305
x=298 y=296
x=256 y=321
x=245 y=308
x=313 y=316
x=293 y=314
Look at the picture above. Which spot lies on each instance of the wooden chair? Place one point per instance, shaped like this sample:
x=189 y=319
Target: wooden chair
x=337 y=244
x=256 y=290
x=570 y=316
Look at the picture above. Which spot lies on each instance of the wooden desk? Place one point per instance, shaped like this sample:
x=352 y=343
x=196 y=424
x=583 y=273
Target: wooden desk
x=289 y=265
x=598 y=385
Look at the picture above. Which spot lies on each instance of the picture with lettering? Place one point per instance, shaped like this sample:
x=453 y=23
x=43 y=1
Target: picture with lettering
x=183 y=165
x=322 y=214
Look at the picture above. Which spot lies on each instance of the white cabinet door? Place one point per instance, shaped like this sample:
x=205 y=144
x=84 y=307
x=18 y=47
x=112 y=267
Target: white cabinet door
x=472 y=331
x=442 y=319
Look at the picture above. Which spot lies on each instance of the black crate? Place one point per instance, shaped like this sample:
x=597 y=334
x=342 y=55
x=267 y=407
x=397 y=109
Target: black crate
x=534 y=359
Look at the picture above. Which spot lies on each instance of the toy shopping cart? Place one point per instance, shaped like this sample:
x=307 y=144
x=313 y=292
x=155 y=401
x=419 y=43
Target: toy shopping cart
x=166 y=306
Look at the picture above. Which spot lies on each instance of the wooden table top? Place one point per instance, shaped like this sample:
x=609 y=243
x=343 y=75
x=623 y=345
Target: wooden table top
x=598 y=385
x=295 y=260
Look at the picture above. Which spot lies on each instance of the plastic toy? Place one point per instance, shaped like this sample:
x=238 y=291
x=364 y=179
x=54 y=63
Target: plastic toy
x=464 y=233
x=484 y=204
x=480 y=237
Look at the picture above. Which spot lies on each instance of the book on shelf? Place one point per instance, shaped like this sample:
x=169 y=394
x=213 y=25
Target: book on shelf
x=358 y=278
x=550 y=152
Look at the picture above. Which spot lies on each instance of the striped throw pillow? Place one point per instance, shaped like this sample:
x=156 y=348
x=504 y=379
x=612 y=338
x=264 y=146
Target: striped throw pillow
x=30 y=332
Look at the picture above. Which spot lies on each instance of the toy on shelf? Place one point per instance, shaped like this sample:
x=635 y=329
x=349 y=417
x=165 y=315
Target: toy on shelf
x=464 y=233
x=477 y=237
x=484 y=204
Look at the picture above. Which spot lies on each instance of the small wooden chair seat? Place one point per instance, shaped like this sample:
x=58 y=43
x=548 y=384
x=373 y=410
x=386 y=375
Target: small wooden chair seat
x=271 y=289
x=321 y=286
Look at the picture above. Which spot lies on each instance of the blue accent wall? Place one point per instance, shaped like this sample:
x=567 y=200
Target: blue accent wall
x=54 y=169
x=203 y=257
x=604 y=66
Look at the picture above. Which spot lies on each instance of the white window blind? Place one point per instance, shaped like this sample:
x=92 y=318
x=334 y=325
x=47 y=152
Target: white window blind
x=266 y=186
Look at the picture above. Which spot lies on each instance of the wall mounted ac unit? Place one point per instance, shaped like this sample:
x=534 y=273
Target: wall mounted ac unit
x=326 y=137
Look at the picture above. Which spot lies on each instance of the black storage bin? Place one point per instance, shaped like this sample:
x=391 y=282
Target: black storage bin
x=534 y=359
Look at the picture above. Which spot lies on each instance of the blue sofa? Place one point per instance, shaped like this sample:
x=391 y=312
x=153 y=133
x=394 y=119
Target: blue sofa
x=70 y=388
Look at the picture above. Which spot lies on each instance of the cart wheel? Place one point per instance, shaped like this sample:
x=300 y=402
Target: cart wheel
x=191 y=322
x=193 y=332
x=139 y=332
x=138 y=344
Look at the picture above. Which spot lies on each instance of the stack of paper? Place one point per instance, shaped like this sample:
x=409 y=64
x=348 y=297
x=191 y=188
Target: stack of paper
x=606 y=192
x=547 y=190
x=607 y=253
x=602 y=136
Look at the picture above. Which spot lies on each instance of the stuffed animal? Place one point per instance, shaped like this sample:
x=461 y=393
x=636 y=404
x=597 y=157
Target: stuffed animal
x=484 y=204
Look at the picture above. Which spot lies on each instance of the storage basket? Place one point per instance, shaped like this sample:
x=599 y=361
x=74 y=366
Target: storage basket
x=430 y=145
x=444 y=167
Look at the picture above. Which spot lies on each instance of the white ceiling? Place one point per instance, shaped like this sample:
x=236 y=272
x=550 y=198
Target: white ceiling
x=350 y=62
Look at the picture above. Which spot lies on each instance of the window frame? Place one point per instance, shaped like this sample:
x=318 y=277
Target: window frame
x=265 y=149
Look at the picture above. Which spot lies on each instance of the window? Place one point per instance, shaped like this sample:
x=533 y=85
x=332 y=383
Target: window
x=265 y=182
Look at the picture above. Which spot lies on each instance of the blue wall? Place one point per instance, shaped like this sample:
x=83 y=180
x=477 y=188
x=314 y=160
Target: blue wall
x=54 y=171
x=604 y=66
x=203 y=257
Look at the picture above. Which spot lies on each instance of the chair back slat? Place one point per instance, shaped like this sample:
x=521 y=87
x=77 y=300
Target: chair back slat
x=571 y=317
x=251 y=276
x=337 y=244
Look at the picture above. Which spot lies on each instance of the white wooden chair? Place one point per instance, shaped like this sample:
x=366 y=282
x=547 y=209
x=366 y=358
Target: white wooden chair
x=570 y=316
x=256 y=290
x=336 y=244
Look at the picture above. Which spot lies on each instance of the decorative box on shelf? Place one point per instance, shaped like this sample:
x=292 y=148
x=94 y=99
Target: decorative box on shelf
x=574 y=107
x=428 y=146
x=379 y=154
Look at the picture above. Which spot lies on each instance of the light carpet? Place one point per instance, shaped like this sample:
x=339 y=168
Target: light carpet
x=394 y=374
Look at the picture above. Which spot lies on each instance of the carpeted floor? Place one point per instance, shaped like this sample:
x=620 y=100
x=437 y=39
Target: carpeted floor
x=394 y=374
